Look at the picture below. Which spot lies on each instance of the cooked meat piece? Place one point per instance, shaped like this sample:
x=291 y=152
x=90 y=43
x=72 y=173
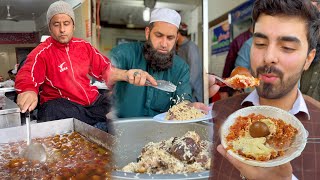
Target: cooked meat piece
x=185 y=149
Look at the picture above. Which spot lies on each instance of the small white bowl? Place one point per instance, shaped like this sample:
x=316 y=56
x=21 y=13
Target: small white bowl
x=295 y=149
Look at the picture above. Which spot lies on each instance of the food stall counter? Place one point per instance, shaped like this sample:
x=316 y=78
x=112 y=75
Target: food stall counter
x=9 y=113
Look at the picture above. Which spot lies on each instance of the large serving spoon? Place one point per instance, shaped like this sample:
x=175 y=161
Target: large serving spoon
x=33 y=151
x=163 y=85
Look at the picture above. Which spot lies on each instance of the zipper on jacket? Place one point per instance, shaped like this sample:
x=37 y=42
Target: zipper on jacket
x=67 y=50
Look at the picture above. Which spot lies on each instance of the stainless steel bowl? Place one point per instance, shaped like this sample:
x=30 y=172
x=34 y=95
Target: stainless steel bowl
x=133 y=134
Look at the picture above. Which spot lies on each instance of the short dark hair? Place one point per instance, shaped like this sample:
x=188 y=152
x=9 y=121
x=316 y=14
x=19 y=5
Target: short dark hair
x=151 y=26
x=295 y=8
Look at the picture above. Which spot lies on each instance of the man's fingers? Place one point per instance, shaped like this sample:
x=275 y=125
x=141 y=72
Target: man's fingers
x=130 y=77
x=221 y=150
x=21 y=102
x=33 y=105
x=213 y=90
x=140 y=78
x=137 y=77
x=213 y=87
x=26 y=105
x=201 y=106
x=143 y=79
x=237 y=164
x=212 y=80
x=27 y=101
x=151 y=79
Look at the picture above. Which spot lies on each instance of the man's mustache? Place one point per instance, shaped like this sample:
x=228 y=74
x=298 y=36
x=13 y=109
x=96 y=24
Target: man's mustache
x=269 y=70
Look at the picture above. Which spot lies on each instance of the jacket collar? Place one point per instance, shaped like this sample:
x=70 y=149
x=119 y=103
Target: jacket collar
x=57 y=43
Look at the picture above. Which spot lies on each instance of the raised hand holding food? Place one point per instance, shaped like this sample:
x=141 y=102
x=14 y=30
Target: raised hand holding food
x=241 y=78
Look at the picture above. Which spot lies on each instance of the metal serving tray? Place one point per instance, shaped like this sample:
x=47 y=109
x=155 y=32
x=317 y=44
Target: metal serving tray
x=133 y=134
x=9 y=113
x=51 y=128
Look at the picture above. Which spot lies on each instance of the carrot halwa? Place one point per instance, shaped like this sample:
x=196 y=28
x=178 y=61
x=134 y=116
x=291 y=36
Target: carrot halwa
x=260 y=148
x=242 y=81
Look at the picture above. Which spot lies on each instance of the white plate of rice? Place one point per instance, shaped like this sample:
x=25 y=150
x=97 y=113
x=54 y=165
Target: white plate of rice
x=161 y=118
x=183 y=113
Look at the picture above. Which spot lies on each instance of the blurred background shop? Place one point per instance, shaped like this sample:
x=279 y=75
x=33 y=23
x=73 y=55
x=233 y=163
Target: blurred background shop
x=104 y=23
x=107 y=23
x=224 y=28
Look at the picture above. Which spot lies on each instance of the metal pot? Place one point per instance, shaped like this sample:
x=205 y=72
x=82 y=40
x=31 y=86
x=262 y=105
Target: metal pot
x=133 y=134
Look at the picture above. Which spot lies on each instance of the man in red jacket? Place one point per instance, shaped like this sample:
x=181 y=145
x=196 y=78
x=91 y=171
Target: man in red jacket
x=58 y=70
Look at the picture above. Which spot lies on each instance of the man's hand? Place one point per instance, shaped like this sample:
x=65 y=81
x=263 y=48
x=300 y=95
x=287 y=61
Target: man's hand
x=27 y=101
x=251 y=172
x=213 y=87
x=137 y=77
x=201 y=106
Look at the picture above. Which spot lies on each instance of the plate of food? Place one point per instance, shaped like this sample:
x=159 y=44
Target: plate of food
x=183 y=112
x=263 y=136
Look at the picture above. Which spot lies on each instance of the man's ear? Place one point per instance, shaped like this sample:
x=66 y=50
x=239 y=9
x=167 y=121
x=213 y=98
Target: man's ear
x=309 y=59
x=147 y=32
x=49 y=29
x=178 y=35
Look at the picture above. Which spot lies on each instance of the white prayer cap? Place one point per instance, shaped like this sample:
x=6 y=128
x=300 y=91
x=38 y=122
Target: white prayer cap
x=166 y=15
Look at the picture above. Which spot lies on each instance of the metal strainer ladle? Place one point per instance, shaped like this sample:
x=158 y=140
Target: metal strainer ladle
x=33 y=151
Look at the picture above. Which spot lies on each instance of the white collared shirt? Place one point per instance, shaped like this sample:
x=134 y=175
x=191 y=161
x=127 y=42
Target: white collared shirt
x=298 y=106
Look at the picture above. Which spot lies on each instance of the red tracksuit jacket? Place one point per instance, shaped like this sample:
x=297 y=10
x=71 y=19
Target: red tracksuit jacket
x=61 y=71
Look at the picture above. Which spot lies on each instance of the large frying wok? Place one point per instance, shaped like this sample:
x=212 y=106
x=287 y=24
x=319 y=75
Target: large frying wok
x=52 y=128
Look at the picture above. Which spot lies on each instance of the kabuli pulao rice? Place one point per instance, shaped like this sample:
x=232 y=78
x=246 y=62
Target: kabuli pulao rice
x=183 y=111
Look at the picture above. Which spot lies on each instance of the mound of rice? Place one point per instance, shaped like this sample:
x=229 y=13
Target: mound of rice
x=183 y=111
x=175 y=155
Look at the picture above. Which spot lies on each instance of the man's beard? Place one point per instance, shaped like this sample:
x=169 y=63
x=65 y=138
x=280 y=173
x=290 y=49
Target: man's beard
x=276 y=91
x=156 y=60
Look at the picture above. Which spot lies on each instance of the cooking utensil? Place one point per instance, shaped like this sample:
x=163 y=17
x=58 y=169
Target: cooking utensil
x=49 y=129
x=221 y=82
x=33 y=151
x=130 y=143
x=163 y=85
